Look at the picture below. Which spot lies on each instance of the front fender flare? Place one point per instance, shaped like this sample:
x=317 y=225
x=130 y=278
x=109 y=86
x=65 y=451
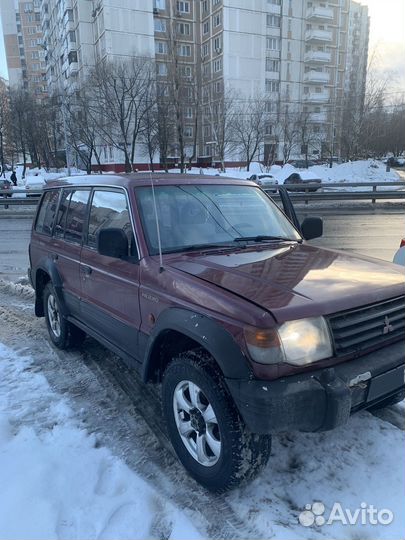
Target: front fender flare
x=205 y=331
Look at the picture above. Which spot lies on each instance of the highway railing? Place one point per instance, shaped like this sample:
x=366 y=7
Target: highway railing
x=298 y=192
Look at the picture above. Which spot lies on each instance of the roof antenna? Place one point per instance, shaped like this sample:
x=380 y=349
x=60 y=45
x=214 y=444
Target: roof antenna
x=157 y=222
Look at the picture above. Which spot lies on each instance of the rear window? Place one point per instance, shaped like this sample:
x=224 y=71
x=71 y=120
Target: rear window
x=47 y=212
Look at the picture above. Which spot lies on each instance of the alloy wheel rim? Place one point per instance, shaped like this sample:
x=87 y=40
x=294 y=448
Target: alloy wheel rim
x=53 y=316
x=197 y=423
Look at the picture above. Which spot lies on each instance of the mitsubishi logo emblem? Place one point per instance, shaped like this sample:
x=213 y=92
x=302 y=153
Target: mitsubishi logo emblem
x=387 y=326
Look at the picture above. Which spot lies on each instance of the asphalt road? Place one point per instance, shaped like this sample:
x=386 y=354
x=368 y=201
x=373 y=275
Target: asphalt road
x=373 y=233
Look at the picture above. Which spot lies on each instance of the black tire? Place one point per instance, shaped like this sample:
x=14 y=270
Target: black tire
x=66 y=335
x=242 y=454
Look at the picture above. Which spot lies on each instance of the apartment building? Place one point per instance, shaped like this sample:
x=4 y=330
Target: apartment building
x=302 y=56
x=23 y=40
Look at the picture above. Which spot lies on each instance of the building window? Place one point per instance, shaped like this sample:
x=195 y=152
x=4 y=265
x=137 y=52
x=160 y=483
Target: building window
x=159 y=4
x=183 y=7
x=184 y=50
x=188 y=113
x=183 y=29
x=161 y=69
x=218 y=87
x=272 y=65
x=272 y=86
x=72 y=57
x=216 y=20
x=205 y=6
x=217 y=65
x=206 y=27
x=72 y=36
x=160 y=25
x=185 y=71
x=273 y=20
x=160 y=47
x=273 y=44
x=268 y=129
x=217 y=45
x=188 y=131
x=206 y=49
x=215 y=2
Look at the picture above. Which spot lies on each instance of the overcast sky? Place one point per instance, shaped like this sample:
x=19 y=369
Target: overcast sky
x=387 y=38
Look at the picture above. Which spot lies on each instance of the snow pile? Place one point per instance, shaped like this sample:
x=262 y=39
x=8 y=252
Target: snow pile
x=356 y=171
x=55 y=480
x=350 y=172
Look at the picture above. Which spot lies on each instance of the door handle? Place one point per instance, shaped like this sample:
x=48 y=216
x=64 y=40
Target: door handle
x=87 y=270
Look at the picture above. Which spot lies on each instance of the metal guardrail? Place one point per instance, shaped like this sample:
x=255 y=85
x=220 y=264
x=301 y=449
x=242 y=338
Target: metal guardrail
x=298 y=192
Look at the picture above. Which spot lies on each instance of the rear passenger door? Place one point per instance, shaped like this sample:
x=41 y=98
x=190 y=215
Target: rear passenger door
x=66 y=243
x=110 y=286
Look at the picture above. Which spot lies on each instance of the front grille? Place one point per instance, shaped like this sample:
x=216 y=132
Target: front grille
x=369 y=326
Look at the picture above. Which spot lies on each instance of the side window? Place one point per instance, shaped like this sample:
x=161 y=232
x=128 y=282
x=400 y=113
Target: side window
x=76 y=215
x=59 y=231
x=72 y=215
x=109 y=210
x=47 y=212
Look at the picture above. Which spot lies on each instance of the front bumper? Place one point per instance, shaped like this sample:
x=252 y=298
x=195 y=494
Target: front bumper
x=323 y=399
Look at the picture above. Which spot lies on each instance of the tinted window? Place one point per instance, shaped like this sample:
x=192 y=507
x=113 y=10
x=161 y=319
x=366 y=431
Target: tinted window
x=47 y=212
x=76 y=215
x=109 y=210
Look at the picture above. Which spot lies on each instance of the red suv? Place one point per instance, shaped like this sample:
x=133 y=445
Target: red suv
x=204 y=285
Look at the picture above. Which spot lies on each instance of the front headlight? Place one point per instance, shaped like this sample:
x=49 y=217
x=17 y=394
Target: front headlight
x=299 y=342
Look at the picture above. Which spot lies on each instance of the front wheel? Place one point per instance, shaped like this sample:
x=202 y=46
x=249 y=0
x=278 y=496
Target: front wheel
x=206 y=431
x=62 y=333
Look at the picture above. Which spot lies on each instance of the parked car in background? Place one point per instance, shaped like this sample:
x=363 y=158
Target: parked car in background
x=303 y=178
x=395 y=161
x=6 y=186
x=265 y=181
x=35 y=183
x=399 y=257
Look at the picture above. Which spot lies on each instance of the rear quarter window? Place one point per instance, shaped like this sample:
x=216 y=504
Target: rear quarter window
x=47 y=212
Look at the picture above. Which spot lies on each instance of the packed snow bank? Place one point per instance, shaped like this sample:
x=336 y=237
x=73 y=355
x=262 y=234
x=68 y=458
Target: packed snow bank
x=351 y=172
x=356 y=171
x=55 y=480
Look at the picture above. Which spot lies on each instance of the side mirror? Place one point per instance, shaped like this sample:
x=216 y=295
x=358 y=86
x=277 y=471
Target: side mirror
x=112 y=243
x=312 y=227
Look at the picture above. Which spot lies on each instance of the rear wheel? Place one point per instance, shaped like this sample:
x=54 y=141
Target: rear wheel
x=62 y=333
x=207 y=433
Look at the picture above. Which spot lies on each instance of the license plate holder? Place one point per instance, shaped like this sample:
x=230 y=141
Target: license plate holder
x=386 y=383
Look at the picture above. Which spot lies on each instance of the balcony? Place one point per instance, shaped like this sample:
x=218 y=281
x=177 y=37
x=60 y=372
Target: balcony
x=316 y=77
x=318 y=13
x=318 y=118
x=318 y=57
x=316 y=97
x=318 y=36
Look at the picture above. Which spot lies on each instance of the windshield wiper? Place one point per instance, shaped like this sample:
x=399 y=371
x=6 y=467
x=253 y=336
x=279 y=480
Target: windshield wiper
x=197 y=247
x=263 y=238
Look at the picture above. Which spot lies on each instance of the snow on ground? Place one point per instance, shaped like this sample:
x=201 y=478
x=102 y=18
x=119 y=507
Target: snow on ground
x=55 y=480
x=350 y=172
x=59 y=482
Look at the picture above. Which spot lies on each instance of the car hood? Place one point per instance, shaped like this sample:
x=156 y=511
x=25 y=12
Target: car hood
x=296 y=280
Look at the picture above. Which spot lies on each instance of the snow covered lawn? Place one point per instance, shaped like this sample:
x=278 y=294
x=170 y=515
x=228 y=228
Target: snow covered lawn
x=57 y=481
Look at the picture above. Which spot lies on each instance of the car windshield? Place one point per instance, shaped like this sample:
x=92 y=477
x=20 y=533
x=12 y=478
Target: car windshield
x=198 y=216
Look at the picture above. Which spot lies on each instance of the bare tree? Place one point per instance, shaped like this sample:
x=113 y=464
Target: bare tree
x=4 y=121
x=19 y=114
x=287 y=130
x=122 y=97
x=83 y=134
x=248 y=127
x=221 y=118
